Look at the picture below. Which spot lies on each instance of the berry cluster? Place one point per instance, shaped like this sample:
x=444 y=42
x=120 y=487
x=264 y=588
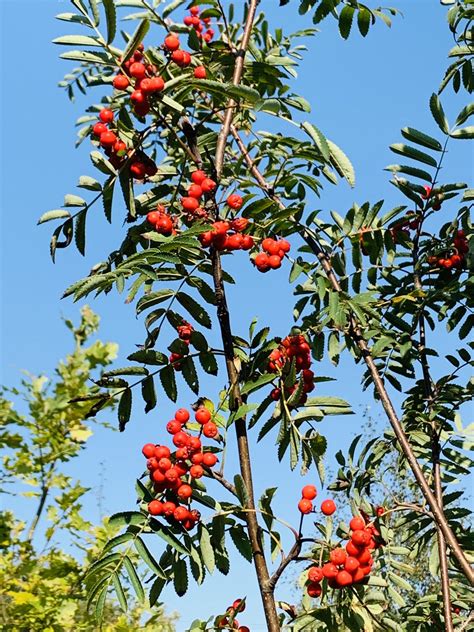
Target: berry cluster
x=201 y=186
x=454 y=258
x=273 y=252
x=228 y=235
x=200 y=25
x=168 y=469
x=280 y=359
x=185 y=331
x=161 y=221
x=116 y=150
x=147 y=83
x=305 y=505
x=229 y=621
x=346 y=566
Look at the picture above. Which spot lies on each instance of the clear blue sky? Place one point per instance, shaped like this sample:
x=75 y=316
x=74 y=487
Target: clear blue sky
x=362 y=93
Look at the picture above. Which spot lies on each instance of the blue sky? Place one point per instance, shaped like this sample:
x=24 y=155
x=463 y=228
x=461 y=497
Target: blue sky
x=362 y=92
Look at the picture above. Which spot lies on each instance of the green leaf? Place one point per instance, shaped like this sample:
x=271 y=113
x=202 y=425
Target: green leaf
x=345 y=21
x=119 y=592
x=463 y=132
x=180 y=578
x=465 y=113
x=255 y=385
x=422 y=139
x=107 y=197
x=206 y=549
x=401 y=583
x=168 y=381
x=411 y=152
x=241 y=541
x=241 y=489
x=189 y=373
x=195 y=309
x=134 y=579
x=102 y=164
x=73 y=200
x=126 y=184
x=208 y=362
x=364 y=20
x=155 y=590
x=56 y=214
x=410 y=171
x=135 y=40
x=126 y=518
x=166 y=534
x=148 y=356
x=125 y=408
x=91 y=184
x=76 y=40
x=80 y=231
x=153 y=298
x=318 y=138
x=111 y=19
x=148 y=393
x=341 y=163
x=148 y=558
x=438 y=113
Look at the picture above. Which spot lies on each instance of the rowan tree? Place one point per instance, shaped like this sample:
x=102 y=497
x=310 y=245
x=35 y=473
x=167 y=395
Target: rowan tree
x=175 y=132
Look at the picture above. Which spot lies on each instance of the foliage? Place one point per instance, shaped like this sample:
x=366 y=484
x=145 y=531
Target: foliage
x=42 y=586
x=376 y=283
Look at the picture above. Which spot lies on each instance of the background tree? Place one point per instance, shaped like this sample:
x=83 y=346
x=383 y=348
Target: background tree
x=41 y=582
x=377 y=304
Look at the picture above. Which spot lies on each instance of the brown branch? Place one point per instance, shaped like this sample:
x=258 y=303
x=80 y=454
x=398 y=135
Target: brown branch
x=356 y=333
x=261 y=568
x=223 y=481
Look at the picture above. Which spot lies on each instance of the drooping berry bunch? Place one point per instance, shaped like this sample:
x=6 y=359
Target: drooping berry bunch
x=172 y=472
x=346 y=566
x=200 y=25
x=145 y=78
x=280 y=361
x=273 y=252
x=200 y=189
x=185 y=331
x=116 y=150
x=161 y=221
x=455 y=256
x=228 y=621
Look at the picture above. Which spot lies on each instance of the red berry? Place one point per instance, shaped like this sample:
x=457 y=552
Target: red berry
x=274 y=262
x=196 y=471
x=138 y=170
x=344 y=578
x=197 y=458
x=330 y=570
x=357 y=523
x=200 y=72
x=156 y=84
x=239 y=604
x=309 y=492
x=202 y=415
x=195 y=191
x=351 y=564
x=314 y=589
x=194 y=10
x=184 y=492
x=137 y=70
x=270 y=246
x=108 y=139
x=328 y=507
x=158 y=476
x=178 y=57
x=284 y=245
x=360 y=537
x=234 y=242
x=121 y=82
x=155 y=508
x=275 y=394
x=186 y=58
x=380 y=511
x=209 y=459
x=168 y=508
x=305 y=506
x=141 y=109
x=235 y=201
x=106 y=115
x=261 y=260
x=210 y=430
x=182 y=415
x=173 y=426
x=171 y=42
x=198 y=176
x=338 y=556
x=315 y=574
x=148 y=450
x=351 y=549
x=239 y=224
x=247 y=242
x=189 y=203
x=181 y=439
x=99 y=128
x=180 y=514
x=364 y=557
x=208 y=185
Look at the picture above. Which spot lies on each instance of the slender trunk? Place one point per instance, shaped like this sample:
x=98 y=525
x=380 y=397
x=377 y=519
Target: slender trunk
x=356 y=334
x=261 y=568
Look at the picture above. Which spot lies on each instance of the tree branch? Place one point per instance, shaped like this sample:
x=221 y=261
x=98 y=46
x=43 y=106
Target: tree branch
x=356 y=333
